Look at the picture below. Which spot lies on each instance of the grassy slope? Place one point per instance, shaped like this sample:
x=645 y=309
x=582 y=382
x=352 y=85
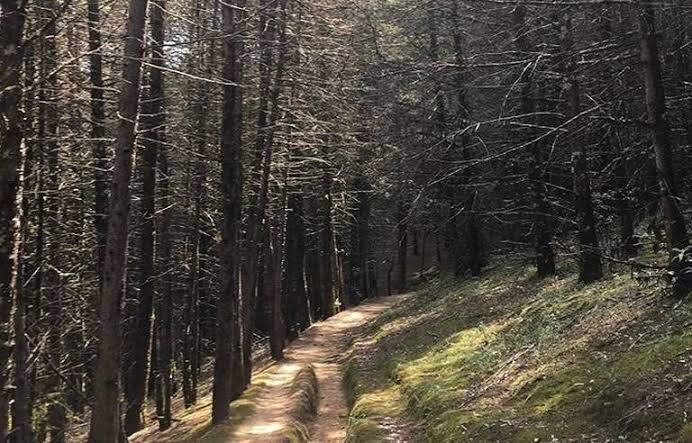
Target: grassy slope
x=510 y=358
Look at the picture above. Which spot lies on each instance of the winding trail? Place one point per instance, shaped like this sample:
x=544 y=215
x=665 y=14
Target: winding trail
x=324 y=347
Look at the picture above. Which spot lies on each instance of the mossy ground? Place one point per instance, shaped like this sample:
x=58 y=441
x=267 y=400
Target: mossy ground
x=508 y=357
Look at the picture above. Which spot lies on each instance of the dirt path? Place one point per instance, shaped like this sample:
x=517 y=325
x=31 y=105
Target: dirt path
x=323 y=346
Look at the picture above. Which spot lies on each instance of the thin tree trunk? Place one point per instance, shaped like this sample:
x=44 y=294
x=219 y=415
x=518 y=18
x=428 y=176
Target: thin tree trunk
x=313 y=270
x=362 y=238
x=100 y=165
x=98 y=134
x=21 y=405
x=53 y=279
x=656 y=108
x=191 y=338
x=326 y=248
x=164 y=301
x=267 y=117
x=105 y=415
x=39 y=241
x=676 y=230
x=590 y=268
x=542 y=239
x=11 y=133
x=275 y=256
x=22 y=431
x=272 y=286
x=139 y=333
x=259 y=177
x=228 y=352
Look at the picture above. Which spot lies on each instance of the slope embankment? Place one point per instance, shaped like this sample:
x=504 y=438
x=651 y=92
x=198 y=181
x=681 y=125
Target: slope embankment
x=511 y=358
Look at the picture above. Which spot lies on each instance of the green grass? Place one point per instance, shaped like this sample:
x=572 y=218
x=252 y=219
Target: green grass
x=511 y=358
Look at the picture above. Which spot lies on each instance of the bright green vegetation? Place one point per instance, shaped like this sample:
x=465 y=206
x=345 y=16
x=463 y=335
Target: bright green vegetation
x=241 y=409
x=511 y=358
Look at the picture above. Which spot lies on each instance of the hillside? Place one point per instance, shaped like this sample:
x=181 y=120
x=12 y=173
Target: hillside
x=508 y=357
x=505 y=357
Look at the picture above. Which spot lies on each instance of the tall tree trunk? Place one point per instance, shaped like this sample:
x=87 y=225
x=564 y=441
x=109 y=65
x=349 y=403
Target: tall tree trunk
x=39 y=241
x=590 y=268
x=21 y=405
x=22 y=431
x=272 y=286
x=139 y=331
x=473 y=238
x=621 y=158
x=296 y=296
x=267 y=117
x=53 y=281
x=683 y=68
x=98 y=133
x=100 y=163
x=676 y=230
x=663 y=145
x=228 y=352
x=164 y=300
x=275 y=260
x=191 y=335
x=542 y=239
x=11 y=133
x=105 y=416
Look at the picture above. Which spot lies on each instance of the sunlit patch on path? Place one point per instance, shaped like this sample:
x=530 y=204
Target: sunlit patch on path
x=322 y=346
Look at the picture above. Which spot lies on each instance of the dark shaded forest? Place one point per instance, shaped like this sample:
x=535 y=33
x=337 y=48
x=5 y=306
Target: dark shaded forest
x=186 y=186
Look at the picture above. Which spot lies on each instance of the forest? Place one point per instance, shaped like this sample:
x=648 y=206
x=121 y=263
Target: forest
x=345 y=220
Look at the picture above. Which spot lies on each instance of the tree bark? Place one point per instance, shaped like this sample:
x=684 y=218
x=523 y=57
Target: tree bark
x=676 y=231
x=590 y=268
x=326 y=247
x=543 y=236
x=228 y=352
x=663 y=145
x=11 y=133
x=272 y=286
x=164 y=300
x=53 y=281
x=138 y=338
x=267 y=117
x=98 y=133
x=100 y=163
x=105 y=415
x=22 y=431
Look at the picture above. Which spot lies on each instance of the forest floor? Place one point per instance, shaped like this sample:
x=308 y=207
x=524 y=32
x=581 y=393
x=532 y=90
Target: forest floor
x=505 y=357
x=297 y=399
x=511 y=358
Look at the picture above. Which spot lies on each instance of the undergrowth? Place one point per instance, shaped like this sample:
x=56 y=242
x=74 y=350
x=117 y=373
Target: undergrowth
x=508 y=357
